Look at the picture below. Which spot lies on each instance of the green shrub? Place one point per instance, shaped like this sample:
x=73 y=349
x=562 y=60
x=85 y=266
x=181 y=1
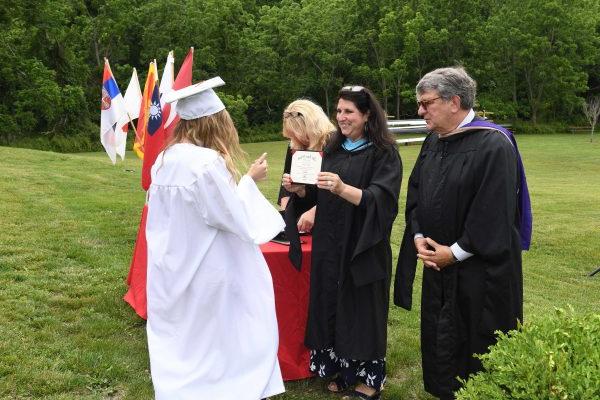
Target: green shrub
x=237 y=106
x=61 y=144
x=8 y=127
x=79 y=137
x=527 y=128
x=262 y=133
x=555 y=357
x=499 y=110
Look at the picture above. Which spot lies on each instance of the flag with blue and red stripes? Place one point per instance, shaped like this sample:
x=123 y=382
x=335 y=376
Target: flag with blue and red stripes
x=112 y=108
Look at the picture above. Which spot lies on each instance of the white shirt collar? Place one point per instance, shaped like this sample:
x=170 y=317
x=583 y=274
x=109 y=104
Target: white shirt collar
x=470 y=116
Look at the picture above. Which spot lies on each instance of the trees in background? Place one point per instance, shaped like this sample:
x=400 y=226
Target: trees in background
x=536 y=54
x=533 y=60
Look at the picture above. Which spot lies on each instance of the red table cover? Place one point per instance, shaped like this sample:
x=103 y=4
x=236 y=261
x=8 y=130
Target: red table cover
x=291 y=303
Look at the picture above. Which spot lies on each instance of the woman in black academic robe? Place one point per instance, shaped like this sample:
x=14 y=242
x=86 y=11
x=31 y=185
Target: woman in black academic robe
x=357 y=202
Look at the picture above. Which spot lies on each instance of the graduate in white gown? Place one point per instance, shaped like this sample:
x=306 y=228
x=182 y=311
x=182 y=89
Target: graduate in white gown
x=212 y=329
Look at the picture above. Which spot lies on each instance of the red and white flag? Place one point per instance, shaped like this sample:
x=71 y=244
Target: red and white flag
x=184 y=79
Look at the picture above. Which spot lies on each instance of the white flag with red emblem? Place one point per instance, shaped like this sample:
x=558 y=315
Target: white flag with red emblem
x=112 y=109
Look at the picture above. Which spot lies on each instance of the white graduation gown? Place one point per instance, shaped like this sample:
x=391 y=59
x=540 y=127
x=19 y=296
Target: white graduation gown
x=212 y=329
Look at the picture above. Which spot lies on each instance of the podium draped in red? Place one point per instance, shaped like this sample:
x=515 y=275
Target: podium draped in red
x=291 y=303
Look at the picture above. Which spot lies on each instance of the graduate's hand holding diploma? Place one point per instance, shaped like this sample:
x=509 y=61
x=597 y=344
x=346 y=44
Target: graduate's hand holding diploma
x=258 y=169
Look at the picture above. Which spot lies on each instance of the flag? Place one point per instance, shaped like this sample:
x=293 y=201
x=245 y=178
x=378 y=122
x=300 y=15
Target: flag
x=133 y=102
x=154 y=143
x=167 y=80
x=149 y=126
x=112 y=109
x=184 y=79
x=166 y=85
x=154 y=138
x=136 y=294
x=150 y=115
x=136 y=280
x=138 y=145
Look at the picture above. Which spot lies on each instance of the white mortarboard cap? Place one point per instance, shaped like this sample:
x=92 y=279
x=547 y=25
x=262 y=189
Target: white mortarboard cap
x=195 y=101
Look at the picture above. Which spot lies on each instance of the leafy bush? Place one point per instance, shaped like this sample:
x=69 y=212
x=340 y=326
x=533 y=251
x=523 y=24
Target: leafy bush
x=501 y=110
x=60 y=143
x=8 y=127
x=237 y=107
x=556 y=357
x=79 y=137
x=524 y=127
x=261 y=133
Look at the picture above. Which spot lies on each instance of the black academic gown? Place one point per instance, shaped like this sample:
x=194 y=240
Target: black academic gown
x=351 y=255
x=287 y=165
x=463 y=189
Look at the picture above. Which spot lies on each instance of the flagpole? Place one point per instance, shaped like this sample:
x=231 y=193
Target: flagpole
x=133 y=126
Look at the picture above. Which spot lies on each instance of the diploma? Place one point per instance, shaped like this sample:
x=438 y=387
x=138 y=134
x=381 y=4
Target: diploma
x=305 y=166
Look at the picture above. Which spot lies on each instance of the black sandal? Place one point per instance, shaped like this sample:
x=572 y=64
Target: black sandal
x=340 y=384
x=356 y=395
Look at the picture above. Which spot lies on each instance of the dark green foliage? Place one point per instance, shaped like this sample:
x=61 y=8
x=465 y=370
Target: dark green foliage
x=533 y=61
x=78 y=141
x=501 y=110
x=266 y=132
x=237 y=107
x=525 y=127
x=555 y=357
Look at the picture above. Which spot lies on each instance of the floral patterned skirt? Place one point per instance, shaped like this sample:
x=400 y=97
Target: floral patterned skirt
x=324 y=363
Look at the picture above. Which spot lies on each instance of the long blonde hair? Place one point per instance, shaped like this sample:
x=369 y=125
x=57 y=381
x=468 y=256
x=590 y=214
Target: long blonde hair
x=216 y=132
x=306 y=125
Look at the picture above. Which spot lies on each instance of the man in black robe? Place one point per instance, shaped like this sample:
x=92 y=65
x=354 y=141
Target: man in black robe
x=467 y=218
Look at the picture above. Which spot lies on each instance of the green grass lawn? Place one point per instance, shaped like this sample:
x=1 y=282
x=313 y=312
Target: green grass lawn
x=68 y=225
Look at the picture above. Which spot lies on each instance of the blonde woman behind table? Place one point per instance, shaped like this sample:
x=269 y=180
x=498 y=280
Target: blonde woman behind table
x=308 y=128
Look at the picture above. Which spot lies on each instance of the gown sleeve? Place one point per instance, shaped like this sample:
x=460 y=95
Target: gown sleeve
x=494 y=202
x=407 y=258
x=241 y=210
x=287 y=166
x=380 y=200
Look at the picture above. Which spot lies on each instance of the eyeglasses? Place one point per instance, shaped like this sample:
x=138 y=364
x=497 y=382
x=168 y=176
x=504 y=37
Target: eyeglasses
x=291 y=114
x=352 y=89
x=426 y=103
